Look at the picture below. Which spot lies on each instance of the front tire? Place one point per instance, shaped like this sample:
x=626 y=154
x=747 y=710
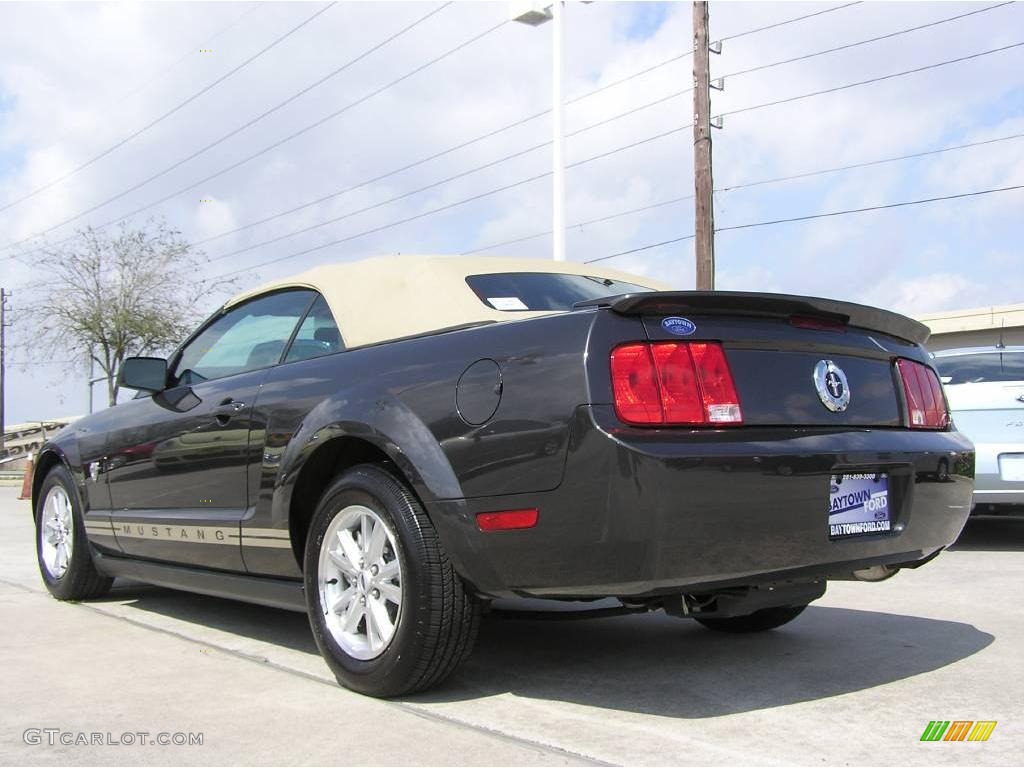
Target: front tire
x=62 y=550
x=388 y=612
x=758 y=621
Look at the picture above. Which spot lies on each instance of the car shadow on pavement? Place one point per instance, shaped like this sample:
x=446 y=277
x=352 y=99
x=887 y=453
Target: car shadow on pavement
x=655 y=664
x=645 y=663
x=996 y=534
x=286 y=629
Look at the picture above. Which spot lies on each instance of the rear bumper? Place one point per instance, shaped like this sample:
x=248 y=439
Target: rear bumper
x=989 y=486
x=646 y=512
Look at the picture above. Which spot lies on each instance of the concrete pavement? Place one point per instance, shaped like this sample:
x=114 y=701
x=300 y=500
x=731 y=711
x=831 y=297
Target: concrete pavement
x=855 y=680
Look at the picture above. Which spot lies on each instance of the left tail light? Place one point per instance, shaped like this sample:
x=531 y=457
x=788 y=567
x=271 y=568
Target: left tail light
x=674 y=383
x=922 y=390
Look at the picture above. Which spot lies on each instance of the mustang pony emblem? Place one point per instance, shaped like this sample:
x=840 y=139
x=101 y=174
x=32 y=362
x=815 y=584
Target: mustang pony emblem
x=832 y=386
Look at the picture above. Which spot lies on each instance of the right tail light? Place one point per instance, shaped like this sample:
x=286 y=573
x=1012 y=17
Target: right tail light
x=922 y=390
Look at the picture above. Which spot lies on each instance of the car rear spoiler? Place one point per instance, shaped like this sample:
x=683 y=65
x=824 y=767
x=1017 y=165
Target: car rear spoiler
x=763 y=305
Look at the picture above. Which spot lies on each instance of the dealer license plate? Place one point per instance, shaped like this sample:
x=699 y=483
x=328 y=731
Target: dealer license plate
x=858 y=505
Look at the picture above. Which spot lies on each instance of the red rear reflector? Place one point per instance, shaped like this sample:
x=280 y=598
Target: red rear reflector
x=507 y=521
x=926 y=405
x=678 y=383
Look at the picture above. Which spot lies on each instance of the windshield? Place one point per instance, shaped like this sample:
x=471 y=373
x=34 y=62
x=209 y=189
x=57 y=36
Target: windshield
x=543 y=291
x=981 y=366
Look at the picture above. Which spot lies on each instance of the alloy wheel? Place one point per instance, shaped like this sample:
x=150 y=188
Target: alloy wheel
x=360 y=582
x=56 y=532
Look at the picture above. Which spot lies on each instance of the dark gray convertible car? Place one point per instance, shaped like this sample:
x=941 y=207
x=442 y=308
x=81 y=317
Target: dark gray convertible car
x=393 y=444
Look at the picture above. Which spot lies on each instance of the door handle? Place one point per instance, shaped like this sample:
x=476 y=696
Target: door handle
x=227 y=408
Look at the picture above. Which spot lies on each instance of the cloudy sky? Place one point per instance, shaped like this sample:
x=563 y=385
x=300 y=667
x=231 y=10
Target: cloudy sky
x=77 y=78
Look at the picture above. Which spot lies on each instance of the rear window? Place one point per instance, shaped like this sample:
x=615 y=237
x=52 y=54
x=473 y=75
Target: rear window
x=983 y=366
x=543 y=291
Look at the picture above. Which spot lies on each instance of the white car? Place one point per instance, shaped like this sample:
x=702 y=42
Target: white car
x=985 y=389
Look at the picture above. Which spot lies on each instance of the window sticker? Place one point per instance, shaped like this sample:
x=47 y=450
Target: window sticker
x=506 y=303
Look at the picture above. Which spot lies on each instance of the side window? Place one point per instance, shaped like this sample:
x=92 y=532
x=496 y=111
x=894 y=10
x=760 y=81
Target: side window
x=318 y=335
x=250 y=336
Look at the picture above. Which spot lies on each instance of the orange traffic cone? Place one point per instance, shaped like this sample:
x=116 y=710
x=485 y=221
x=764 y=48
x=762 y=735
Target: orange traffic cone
x=26 y=482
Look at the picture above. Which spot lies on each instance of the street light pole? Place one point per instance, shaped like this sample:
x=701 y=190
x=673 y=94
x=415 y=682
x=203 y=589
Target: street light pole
x=557 y=133
x=534 y=14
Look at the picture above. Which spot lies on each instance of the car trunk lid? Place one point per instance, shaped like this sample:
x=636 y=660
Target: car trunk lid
x=774 y=344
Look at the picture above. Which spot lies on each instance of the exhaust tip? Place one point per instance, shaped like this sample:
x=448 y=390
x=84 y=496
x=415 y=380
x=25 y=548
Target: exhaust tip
x=875 y=573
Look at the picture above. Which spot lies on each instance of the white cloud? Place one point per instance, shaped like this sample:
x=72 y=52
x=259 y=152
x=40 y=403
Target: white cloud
x=64 y=69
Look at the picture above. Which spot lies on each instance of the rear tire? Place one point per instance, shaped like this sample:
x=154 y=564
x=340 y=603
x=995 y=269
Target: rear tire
x=399 y=619
x=758 y=621
x=62 y=549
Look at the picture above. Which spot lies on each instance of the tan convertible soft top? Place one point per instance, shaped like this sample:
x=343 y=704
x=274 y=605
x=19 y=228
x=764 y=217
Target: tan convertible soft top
x=390 y=297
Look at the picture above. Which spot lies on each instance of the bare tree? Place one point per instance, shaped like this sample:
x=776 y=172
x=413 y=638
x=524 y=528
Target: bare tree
x=109 y=295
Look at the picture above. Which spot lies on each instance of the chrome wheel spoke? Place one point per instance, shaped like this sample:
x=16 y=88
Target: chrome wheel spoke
x=375 y=546
x=390 y=592
x=353 y=615
x=389 y=571
x=379 y=620
x=343 y=601
x=349 y=547
x=342 y=563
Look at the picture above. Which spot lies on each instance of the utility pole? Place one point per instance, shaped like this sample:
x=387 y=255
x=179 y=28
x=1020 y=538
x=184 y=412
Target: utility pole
x=3 y=360
x=704 y=209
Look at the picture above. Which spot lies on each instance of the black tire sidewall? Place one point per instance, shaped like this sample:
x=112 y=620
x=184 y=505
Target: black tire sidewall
x=387 y=674
x=65 y=587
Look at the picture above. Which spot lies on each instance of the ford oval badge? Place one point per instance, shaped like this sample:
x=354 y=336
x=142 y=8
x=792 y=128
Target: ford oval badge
x=679 y=326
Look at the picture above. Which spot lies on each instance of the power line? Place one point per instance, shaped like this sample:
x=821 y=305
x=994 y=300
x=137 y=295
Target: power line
x=435 y=184
x=267 y=113
x=759 y=182
x=164 y=116
x=587 y=223
x=879 y=79
x=264 y=150
x=480 y=196
x=166 y=70
x=847 y=46
x=628 y=112
x=508 y=127
x=191 y=52
x=319 y=200
x=434 y=156
x=382 y=203
x=667 y=98
x=626 y=79
x=415 y=191
x=641 y=248
x=828 y=214
x=784 y=22
x=869 y=208
x=449 y=206
x=683 y=55
x=867 y=163
x=374 y=180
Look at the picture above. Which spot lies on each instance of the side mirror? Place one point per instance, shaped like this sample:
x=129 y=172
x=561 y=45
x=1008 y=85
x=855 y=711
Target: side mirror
x=146 y=373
